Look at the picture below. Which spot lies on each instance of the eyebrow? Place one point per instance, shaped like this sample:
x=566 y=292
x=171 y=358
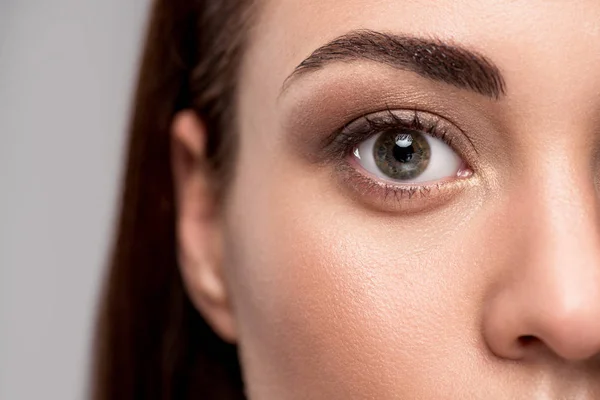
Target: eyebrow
x=432 y=59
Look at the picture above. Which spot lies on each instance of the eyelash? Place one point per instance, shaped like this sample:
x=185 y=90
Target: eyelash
x=346 y=139
x=344 y=142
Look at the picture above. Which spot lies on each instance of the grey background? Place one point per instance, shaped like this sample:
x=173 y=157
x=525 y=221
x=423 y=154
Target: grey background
x=66 y=74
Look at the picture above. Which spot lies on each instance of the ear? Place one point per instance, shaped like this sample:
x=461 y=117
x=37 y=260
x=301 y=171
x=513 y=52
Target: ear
x=198 y=225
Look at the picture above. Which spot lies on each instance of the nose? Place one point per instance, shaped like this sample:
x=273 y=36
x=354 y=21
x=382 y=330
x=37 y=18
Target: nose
x=548 y=299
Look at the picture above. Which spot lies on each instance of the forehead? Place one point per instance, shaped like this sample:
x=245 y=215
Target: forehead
x=515 y=35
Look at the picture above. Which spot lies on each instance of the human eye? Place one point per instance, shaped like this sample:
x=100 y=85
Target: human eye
x=403 y=156
x=403 y=153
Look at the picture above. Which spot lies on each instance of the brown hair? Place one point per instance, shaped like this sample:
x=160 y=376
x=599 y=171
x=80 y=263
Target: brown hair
x=151 y=342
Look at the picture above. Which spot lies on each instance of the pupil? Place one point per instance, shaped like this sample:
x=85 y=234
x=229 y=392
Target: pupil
x=403 y=154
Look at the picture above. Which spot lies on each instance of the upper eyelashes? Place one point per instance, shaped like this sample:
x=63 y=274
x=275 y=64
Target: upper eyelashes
x=403 y=146
x=400 y=152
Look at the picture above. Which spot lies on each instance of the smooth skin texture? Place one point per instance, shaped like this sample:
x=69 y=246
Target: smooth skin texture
x=486 y=288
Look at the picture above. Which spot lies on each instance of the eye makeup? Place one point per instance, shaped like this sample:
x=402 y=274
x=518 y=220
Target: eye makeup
x=328 y=118
x=388 y=194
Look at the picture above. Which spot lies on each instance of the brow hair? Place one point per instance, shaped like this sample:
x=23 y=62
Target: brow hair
x=431 y=58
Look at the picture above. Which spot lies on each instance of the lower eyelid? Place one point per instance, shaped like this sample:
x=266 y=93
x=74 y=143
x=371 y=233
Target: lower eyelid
x=362 y=187
x=408 y=199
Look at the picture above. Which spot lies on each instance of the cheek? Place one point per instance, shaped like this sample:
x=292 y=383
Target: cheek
x=332 y=299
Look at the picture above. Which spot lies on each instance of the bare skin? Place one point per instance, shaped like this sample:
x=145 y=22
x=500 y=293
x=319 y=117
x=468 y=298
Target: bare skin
x=483 y=285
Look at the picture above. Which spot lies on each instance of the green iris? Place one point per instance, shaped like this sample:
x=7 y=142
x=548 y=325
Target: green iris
x=402 y=154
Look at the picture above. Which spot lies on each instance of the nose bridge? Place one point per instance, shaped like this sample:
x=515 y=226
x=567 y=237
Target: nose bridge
x=562 y=213
x=555 y=294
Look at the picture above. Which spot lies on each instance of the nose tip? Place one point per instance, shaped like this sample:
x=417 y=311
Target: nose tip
x=521 y=325
x=570 y=330
x=550 y=303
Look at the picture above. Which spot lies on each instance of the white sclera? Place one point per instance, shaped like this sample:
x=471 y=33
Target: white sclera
x=444 y=162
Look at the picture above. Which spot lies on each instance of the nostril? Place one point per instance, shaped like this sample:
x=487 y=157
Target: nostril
x=527 y=340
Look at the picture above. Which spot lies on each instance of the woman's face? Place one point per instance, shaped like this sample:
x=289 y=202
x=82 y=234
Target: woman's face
x=415 y=212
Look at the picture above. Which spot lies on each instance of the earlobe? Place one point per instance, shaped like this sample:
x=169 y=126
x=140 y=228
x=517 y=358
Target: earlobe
x=198 y=225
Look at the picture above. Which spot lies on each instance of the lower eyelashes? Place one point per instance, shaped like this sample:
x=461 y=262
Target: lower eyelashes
x=407 y=198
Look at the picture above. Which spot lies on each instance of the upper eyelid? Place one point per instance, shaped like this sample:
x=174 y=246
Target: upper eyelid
x=419 y=120
x=439 y=119
x=415 y=111
x=342 y=141
x=416 y=122
x=345 y=139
